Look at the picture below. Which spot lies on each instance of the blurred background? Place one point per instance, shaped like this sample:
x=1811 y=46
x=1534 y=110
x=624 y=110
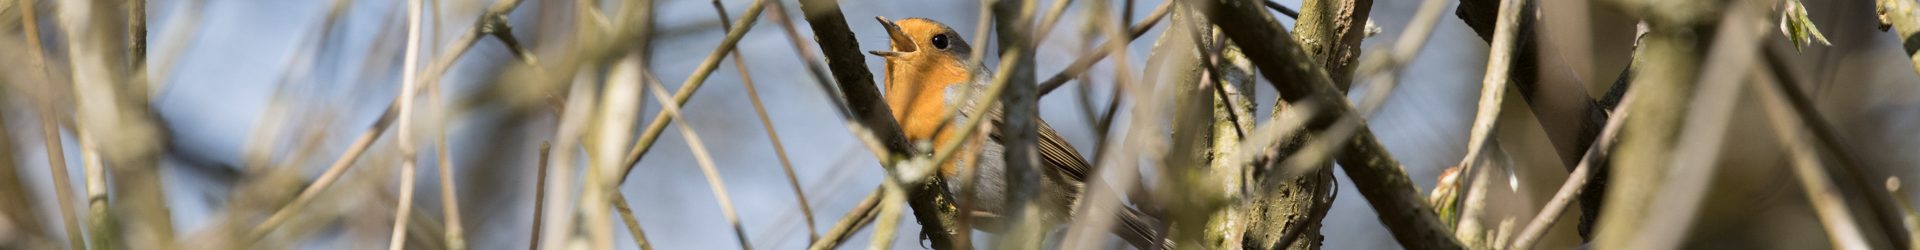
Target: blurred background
x=227 y=69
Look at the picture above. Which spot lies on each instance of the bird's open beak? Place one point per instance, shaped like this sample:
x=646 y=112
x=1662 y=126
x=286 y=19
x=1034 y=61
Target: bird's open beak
x=901 y=43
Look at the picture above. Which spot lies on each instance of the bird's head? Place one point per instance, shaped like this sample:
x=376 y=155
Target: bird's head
x=925 y=66
x=921 y=38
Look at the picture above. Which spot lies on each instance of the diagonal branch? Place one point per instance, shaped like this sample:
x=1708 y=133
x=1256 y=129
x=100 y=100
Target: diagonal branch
x=931 y=205
x=1374 y=172
x=1086 y=62
x=773 y=137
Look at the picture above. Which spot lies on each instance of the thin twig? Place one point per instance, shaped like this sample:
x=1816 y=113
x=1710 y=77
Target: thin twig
x=619 y=107
x=366 y=138
x=57 y=166
x=773 y=137
x=889 y=217
x=1493 y=92
x=579 y=107
x=970 y=177
x=49 y=131
x=1576 y=181
x=99 y=219
x=539 y=195
x=1885 y=203
x=1283 y=9
x=411 y=69
x=693 y=83
x=633 y=224
x=1829 y=204
x=1493 y=89
x=814 y=68
x=449 y=190
x=700 y=152
x=862 y=214
x=1097 y=212
x=1052 y=17
x=1086 y=62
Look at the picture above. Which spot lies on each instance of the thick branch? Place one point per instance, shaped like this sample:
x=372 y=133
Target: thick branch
x=1330 y=31
x=1375 y=173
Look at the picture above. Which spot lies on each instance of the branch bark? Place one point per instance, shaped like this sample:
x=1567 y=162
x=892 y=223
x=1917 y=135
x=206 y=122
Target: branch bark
x=1330 y=32
x=1375 y=173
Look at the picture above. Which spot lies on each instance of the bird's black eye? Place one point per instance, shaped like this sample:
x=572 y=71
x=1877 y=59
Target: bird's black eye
x=940 y=41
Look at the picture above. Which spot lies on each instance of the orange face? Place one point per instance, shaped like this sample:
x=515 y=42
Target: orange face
x=927 y=58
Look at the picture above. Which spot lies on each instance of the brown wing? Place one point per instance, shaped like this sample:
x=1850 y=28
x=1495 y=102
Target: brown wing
x=1054 y=150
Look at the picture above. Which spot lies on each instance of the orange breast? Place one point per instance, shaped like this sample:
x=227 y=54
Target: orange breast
x=917 y=87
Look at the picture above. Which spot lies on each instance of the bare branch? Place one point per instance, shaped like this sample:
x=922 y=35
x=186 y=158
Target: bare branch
x=773 y=137
x=1086 y=62
x=540 y=195
x=692 y=84
x=1374 y=172
x=702 y=157
x=862 y=214
x=410 y=69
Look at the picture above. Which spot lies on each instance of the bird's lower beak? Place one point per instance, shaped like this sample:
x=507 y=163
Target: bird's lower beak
x=901 y=43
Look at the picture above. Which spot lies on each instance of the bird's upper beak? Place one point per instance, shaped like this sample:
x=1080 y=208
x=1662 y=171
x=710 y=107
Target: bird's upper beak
x=901 y=43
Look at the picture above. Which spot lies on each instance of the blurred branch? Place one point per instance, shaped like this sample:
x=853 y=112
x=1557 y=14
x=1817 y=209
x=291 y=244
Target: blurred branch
x=1596 y=155
x=862 y=214
x=46 y=103
x=633 y=224
x=889 y=214
x=1024 y=205
x=567 y=136
x=449 y=190
x=1374 y=172
x=702 y=157
x=439 y=67
x=1685 y=179
x=410 y=69
x=1052 y=17
x=1101 y=207
x=1829 y=204
x=1086 y=61
x=540 y=196
x=1848 y=163
x=178 y=31
x=136 y=48
x=117 y=129
x=1572 y=130
x=1900 y=16
x=692 y=84
x=99 y=219
x=18 y=215
x=773 y=137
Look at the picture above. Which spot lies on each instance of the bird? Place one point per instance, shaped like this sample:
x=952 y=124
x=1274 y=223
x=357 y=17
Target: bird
x=928 y=73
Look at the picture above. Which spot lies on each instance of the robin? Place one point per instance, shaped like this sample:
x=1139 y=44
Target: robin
x=927 y=74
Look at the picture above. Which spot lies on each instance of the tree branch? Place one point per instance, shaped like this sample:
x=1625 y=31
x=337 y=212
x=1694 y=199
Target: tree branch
x=931 y=205
x=1375 y=173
